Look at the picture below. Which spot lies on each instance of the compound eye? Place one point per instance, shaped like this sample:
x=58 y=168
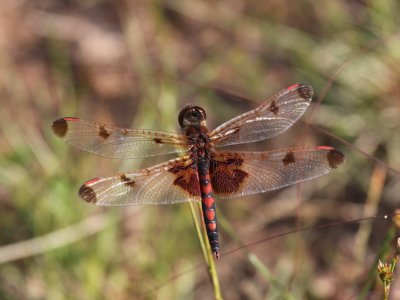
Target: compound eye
x=194 y=114
x=191 y=114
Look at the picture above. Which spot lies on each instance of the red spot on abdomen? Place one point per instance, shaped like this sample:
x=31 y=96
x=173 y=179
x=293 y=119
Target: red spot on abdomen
x=210 y=214
x=206 y=189
x=208 y=202
x=212 y=226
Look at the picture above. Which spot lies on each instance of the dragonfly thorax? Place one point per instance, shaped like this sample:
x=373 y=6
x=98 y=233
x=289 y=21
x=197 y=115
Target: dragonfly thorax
x=201 y=146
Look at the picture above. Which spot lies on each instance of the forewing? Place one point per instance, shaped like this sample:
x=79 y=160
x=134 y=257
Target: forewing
x=236 y=174
x=114 y=142
x=171 y=182
x=269 y=119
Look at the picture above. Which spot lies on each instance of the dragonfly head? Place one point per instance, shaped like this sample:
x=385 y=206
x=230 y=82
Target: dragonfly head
x=192 y=118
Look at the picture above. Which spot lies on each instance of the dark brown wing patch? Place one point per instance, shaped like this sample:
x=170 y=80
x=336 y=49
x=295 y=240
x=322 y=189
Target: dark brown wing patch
x=289 y=158
x=226 y=176
x=305 y=91
x=103 y=132
x=273 y=107
x=60 y=127
x=187 y=178
x=335 y=158
x=87 y=194
x=127 y=181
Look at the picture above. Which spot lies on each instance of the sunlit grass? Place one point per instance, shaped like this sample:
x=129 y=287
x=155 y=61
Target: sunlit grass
x=137 y=65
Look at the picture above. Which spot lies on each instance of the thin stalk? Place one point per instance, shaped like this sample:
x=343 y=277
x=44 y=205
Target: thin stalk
x=206 y=249
x=199 y=233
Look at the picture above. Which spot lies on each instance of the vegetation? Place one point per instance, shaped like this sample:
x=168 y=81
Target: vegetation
x=135 y=64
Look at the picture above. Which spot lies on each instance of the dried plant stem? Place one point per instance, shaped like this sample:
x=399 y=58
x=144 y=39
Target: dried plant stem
x=54 y=240
x=375 y=191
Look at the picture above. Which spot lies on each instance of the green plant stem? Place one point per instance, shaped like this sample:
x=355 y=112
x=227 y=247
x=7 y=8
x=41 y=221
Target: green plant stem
x=206 y=249
x=199 y=233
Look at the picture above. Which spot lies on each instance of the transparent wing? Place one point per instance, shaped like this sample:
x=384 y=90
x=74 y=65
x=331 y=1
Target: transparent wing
x=236 y=174
x=171 y=182
x=269 y=119
x=114 y=142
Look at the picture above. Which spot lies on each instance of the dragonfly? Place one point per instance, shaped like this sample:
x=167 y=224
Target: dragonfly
x=202 y=169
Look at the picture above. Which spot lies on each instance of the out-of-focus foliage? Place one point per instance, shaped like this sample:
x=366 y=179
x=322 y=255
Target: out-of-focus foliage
x=135 y=64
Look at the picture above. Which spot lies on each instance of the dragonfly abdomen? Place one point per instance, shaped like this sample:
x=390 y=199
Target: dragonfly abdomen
x=208 y=206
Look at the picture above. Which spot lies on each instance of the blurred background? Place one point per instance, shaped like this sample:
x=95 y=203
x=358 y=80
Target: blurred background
x=136 y=64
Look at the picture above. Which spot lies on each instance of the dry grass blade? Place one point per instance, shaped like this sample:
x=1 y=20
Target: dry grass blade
x=56 y=239
x=135 y=64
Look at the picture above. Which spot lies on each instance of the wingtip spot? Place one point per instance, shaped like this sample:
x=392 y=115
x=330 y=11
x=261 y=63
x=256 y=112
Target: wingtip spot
x=87 y=194
x=60 y=127
x=305 y=91
x=335 y=158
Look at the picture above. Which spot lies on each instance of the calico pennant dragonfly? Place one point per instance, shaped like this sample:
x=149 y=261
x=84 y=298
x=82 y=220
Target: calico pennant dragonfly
x=202 y=171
